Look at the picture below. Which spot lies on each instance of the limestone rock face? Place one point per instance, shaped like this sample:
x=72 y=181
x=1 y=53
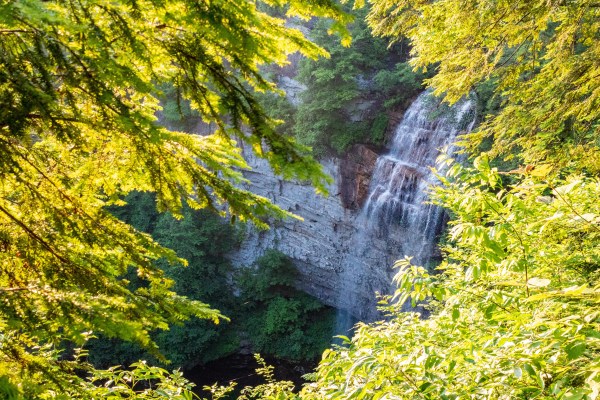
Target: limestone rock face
x=318 y=245
x=378 y=212
x=292 y=88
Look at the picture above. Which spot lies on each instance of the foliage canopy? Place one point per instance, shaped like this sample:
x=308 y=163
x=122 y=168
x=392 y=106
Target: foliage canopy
x=279 y=319
x=514 y=304
x=79 y=88
x=542 y=57
x=349 y=93
x=202 y=238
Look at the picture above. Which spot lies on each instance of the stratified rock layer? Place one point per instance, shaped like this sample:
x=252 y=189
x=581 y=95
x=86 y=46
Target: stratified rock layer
x=317 y=244
x=377 y=212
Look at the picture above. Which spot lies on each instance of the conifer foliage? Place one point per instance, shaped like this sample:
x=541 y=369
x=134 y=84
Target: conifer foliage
x=542 y=57
x=79 y=82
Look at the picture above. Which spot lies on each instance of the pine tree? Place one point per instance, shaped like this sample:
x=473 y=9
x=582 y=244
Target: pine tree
x=79 y=89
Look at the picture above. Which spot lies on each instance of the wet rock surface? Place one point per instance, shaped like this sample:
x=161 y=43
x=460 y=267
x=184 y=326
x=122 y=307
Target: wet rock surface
x=356 y=169
x=316 y=244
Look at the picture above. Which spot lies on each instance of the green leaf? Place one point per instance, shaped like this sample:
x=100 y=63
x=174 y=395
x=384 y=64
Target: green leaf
x=575 y=350
x=455 y=313
x=529 y=369
x=566 y=189
x=576 y=394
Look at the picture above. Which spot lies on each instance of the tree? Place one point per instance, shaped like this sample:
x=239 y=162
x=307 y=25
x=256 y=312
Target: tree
x=542 y=58
x=353 y=82
x=514 y=306
x=202 y=238
x=79 y=88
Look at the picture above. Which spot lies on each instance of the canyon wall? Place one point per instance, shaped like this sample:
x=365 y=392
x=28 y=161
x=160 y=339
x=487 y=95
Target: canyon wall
x=376 y=213
x=320 y=243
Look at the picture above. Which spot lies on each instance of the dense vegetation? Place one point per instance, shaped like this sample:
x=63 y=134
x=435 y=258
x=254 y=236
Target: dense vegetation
x=350 y=94
x=343 y=102
x=202 y=238
x=79 y=88
x=514 y=305
x=276 y=319
x=279 y=319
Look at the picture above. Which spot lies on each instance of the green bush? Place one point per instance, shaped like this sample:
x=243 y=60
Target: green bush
x=368 y=71
x=280 y=320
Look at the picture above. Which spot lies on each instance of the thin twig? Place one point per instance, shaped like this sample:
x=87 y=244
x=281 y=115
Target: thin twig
x=573 y=209
x=520 y=241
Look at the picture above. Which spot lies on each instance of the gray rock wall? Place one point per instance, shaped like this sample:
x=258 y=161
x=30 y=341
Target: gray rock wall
x=320 y=245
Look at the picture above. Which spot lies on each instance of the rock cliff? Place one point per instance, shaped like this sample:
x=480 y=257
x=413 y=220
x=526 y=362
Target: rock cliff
x=356 y=169
x=318 y=244
x=377 y=212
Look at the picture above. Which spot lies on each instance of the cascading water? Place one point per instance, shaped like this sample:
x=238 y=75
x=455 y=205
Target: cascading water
x=396 y=211
x=398 y=194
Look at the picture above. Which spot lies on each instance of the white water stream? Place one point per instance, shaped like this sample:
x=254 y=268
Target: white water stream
x=396 y=209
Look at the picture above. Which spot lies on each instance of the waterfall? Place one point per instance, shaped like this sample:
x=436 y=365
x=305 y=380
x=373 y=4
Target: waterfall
x=396 y=211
